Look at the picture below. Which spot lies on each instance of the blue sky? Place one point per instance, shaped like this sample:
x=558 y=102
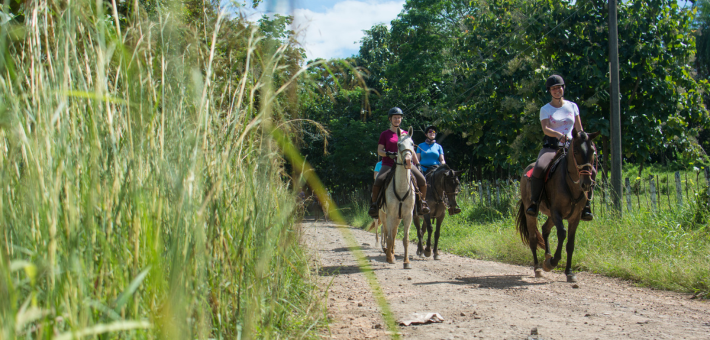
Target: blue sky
x=331 y=28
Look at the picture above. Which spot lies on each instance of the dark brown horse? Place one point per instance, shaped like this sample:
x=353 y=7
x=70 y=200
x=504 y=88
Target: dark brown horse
x=442 y=182
x=564 y=197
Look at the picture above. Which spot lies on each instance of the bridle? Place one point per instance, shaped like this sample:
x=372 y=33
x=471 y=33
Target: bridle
x=394 y=183
x=585 y=169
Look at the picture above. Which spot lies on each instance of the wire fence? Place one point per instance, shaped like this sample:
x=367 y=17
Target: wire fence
x=668 y=192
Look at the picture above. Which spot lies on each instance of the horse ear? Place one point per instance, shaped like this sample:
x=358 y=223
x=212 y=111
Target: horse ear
x=399 y=132
x=575 y=134
x=594 y=135
x=411 y=130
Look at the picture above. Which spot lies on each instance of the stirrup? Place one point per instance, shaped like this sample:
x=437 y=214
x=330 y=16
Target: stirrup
x=587 y=213
x=532 y=210
x=425 y=208
x=374 y=212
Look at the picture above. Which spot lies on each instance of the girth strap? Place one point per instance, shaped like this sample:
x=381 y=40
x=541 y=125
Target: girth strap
x=394 y=189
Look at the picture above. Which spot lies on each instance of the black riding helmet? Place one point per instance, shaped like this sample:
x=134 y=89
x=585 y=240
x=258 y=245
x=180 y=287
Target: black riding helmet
x=395 y=111
x=554 y=80
x=430 y=127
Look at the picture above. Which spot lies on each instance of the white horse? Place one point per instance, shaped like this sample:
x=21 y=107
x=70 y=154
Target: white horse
x=399 y=199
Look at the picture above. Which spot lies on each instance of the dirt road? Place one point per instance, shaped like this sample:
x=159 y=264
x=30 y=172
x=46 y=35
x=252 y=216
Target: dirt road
x=490 y=300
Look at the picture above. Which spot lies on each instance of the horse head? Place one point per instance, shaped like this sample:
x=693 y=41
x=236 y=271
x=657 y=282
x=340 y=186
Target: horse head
x=583 y=155
x=405 y=148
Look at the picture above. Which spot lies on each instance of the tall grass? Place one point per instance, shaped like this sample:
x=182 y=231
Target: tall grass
x=140 y=195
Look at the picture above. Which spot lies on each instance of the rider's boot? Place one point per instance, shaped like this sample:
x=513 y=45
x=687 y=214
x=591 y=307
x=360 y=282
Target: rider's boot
x=454 y=210
x=374 y=210
x=424 y=208
x=536 y=185
x=587 y=211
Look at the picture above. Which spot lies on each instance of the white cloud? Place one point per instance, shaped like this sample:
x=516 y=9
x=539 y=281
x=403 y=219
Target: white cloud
x=337 y=32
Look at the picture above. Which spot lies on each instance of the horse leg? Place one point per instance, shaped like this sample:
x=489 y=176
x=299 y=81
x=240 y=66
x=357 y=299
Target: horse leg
x=533 y=239
x=570 y=249
x=405 y=241
x=546 y=228
x=561 y=235
x=427 y=223
x=383 y=232
x=392 y=224
x=377 y=238
x=417 y=224
x=439 y=220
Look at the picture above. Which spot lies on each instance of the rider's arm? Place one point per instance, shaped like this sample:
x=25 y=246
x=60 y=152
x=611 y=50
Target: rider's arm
x=578 y=124
x=441 y=159
x=550 y=132
x=381 y=150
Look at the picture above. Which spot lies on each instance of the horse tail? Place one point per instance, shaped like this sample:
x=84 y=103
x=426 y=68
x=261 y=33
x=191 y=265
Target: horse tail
x=373 y=225
x=522 y=225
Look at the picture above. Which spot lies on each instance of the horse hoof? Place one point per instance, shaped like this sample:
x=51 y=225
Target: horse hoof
x=547 y=265
x=437 y=257
x=427 y=253
x=407 y=265
x=538 y=273
x=571 y=278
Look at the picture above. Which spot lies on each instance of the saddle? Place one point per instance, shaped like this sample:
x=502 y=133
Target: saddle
x=550 y=167
x=381 y=201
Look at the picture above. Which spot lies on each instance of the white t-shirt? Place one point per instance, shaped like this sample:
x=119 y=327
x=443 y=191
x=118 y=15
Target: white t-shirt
x=562 y=118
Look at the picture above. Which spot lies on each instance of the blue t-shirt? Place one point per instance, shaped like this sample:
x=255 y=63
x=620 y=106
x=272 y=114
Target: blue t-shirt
x=378 y=166
x=430 y=154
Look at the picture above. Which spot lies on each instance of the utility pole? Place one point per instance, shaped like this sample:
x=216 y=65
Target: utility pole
x=615 y=108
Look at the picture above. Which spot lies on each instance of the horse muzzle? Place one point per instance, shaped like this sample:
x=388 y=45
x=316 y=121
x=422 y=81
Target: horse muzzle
x=408 y=161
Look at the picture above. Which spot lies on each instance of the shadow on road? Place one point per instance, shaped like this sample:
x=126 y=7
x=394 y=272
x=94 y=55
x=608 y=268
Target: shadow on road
x=497 y=282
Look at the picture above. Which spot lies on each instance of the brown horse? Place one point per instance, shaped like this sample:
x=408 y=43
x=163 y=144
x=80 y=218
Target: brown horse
x=566 y=193
x=442 y=182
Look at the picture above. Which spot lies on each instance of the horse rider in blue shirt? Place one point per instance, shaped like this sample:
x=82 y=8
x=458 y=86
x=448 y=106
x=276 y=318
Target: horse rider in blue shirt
x=430 y=152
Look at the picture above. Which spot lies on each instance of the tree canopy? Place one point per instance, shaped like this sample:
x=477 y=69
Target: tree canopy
x=476 y=69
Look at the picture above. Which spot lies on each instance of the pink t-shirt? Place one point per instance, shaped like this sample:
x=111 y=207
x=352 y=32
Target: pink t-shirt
x=389 y=139
x=561 y=118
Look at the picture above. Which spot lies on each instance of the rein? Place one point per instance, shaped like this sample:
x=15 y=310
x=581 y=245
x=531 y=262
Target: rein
x=394 y=189
x=582 y=170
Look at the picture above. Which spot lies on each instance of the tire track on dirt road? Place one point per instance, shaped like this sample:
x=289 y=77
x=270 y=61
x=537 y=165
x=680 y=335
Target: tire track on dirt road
x=490 y=300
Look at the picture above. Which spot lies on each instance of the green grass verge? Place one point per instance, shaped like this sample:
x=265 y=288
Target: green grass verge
x=668 y=249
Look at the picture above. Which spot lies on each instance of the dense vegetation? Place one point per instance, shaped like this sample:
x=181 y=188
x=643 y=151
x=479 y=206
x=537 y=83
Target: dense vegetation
x=142 y=193
x=477 y=69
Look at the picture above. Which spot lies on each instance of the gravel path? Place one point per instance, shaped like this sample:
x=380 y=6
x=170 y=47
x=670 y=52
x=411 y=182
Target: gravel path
x=490 y=300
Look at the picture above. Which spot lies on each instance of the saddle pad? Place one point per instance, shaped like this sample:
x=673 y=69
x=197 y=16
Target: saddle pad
x=551 y=168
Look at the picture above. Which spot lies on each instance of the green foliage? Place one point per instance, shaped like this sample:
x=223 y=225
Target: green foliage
x=476 y=69
x=139 y=196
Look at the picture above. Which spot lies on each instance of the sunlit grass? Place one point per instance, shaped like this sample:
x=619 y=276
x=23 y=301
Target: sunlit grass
x=140 y=196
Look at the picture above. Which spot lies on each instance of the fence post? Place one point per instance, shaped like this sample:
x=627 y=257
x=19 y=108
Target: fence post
x=497 y=192
x=480 y=191
x=470 y=193
x=678 y=189
x=707 y=182
x=488 y=194
x=628 y=195
x=653 y=191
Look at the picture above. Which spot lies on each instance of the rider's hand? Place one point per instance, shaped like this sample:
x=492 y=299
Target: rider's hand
x=391 y=154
